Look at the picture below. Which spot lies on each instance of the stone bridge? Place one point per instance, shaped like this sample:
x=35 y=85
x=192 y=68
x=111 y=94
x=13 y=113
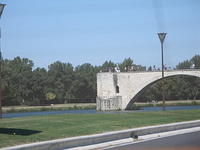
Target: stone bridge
x=117 y=91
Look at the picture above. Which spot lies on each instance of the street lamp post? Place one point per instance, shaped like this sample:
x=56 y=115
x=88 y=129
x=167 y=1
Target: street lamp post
x=162 y=38
x=1 y=11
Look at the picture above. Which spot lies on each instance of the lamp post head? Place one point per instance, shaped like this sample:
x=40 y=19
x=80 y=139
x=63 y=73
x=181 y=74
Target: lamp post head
x=162 y=37
x=1 y=8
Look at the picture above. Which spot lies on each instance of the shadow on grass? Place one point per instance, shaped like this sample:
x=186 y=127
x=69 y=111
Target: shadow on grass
x=14 y=131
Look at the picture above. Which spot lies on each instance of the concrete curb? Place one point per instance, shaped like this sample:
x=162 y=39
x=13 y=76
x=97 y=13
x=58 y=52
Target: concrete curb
x=103 y=137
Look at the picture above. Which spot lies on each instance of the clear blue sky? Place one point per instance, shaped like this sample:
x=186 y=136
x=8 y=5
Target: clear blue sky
x=93 y=31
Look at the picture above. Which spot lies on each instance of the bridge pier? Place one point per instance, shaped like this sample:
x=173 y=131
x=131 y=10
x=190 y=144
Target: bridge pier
x=111 y=103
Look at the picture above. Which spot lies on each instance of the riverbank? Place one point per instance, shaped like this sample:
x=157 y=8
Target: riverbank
x=94 y=111
x=138 y=105
x=23 y=130
x=78 y=106
x=84 y=106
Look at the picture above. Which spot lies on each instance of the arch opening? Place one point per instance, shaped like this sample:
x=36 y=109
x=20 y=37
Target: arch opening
x=193 y=81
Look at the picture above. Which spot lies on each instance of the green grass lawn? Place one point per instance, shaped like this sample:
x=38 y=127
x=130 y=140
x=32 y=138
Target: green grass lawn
x=68 y=125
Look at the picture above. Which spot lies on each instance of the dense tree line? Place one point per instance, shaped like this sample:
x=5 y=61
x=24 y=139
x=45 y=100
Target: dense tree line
x=64 y=83
x=60 y=83
x=193 y=63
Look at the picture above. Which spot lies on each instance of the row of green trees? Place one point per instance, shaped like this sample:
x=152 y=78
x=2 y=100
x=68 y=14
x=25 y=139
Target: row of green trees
x=64 y=83
x=193 y=63
x=60 y=83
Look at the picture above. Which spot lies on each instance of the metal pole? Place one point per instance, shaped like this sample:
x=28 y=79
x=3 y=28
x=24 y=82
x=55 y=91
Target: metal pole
x=162 y=60
x=162 y=38
x=163 y=89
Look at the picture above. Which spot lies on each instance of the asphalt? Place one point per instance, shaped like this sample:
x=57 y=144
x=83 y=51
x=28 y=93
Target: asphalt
x=188 y=141
x=141 y=138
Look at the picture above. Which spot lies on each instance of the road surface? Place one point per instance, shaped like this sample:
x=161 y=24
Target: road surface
x=189 y=141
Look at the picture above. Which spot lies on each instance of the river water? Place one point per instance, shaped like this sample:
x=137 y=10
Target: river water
x=93 y=111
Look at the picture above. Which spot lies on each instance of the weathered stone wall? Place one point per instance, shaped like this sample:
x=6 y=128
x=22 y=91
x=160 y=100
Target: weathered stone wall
x=128 y=84
x=112 y=103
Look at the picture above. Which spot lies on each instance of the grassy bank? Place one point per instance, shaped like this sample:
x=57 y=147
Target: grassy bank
x=68 y=125
x=48 y=108
x=80 y=106
x=138 y=105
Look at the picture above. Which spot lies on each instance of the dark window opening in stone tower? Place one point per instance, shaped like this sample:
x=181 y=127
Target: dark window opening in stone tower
x=117 y=89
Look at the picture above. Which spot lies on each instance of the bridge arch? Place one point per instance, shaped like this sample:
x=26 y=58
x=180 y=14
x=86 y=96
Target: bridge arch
x=118 y=90
x=134 y=98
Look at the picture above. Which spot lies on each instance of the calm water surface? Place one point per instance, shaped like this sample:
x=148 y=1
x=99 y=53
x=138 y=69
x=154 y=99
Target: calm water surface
x=93 y=111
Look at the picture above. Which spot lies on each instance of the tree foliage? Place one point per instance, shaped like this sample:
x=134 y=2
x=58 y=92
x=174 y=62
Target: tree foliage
x=63 y=83
x=193 y=63
x=108 y=66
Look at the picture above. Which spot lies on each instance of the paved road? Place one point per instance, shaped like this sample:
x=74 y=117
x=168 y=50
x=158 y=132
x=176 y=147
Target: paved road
x=189 y=141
